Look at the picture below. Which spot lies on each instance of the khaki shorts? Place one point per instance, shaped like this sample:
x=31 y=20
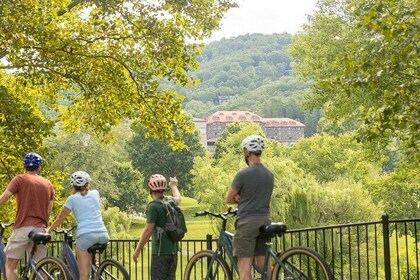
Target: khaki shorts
x=246 y=241
x=19 y=242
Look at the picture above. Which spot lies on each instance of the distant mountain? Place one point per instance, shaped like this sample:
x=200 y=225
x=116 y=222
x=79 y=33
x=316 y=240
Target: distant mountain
x=249 y=72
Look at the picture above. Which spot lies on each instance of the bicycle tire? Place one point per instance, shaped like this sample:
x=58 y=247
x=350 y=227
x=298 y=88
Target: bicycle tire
x=305 y=263
x=197 y=267
x=54 y=267
x=112 y=269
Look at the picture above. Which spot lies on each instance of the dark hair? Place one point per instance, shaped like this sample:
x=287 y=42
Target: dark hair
x=31 y=168
x=257 y=153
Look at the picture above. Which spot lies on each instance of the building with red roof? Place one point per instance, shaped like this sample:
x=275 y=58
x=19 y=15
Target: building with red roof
x=284 y=130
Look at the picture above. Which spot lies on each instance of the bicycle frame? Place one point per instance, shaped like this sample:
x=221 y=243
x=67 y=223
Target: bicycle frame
x=31 y=263
x=69 y=258
x=269 y=252
x=67 y=253
x=224 y=245
x=225 y=250
x=71 y=261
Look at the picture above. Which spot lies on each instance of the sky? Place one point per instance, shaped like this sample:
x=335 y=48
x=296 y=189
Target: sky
x=264 y=16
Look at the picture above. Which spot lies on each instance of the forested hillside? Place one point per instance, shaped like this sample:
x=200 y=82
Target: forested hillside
x=119 y=121
x=249 y=72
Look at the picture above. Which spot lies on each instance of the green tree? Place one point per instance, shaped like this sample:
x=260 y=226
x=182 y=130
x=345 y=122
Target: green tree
x=117 y=223
x=151 y=156
x=107 y=163
x=344 y=201
x=403 y=184
x=226 y=143
x=298 y=198
x=329 y=158
x=97 y=63
x=23 y=129
x=132 y=197
x=364 y=63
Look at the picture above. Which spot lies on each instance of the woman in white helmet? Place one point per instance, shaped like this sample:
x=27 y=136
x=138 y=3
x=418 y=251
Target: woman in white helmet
x=85 y=205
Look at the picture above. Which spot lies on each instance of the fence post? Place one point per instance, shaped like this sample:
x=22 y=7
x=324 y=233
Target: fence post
x=209 y=238
x=387 y=253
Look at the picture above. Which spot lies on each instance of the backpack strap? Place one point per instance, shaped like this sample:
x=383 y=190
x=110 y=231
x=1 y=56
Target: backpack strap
x=160 y=231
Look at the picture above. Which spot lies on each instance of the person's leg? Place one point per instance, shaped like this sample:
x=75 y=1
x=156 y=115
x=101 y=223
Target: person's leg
x=173 y=262
x=84 y=261
x=11 y=271
x=41 y=252
x=15 y=249
x=244 y=267
x=260 y=263
x=260 y=251
x=159 y=268
x=84 y=258
x=247 y=231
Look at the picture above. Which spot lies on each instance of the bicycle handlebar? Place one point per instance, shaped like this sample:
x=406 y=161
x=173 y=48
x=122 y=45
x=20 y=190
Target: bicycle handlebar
x=65 y=230
x=3 y=225
x=222 y=216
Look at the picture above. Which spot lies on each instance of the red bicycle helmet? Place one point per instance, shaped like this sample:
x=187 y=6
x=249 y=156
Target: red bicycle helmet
x=157 y=182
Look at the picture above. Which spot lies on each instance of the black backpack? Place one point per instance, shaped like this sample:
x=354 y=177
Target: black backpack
x=175 y=227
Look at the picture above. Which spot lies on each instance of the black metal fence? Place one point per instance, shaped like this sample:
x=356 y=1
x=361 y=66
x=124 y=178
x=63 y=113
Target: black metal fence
x=385 y=249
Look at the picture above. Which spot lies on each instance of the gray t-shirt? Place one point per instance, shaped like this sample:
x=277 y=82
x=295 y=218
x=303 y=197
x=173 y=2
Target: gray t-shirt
x=255 y=185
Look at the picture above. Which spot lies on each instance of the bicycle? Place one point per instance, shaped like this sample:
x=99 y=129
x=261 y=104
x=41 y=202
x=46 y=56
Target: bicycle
x=106 y=269
x=47 y=268
x=293 y=263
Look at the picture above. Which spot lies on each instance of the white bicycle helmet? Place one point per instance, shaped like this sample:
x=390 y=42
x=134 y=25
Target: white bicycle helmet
x=253 y=143
x=79 y=178
x=157 y=182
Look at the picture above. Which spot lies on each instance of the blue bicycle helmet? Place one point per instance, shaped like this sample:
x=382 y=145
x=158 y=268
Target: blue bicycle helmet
x=32 y=161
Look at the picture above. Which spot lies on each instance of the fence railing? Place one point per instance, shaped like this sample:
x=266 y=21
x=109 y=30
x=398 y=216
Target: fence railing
x=385 y=249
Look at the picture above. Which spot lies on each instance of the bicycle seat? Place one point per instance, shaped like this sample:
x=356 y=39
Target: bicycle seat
x=39 y=237
x=97 y=248
x=273 y=229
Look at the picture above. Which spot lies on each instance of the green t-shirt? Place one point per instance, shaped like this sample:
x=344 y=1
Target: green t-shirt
x=156 y=213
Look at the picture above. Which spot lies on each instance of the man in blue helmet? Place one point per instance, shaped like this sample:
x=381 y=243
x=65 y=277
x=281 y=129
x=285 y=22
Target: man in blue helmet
x=34 y=195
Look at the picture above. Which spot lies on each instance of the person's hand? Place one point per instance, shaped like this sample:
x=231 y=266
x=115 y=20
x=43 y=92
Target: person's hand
x=135 y=256
x=237 y=197
x=173 y=182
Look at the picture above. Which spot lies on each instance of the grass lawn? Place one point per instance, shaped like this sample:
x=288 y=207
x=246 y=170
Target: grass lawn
x=198 y=227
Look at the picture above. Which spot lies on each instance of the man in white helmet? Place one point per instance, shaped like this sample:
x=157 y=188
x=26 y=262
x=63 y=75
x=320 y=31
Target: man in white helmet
x=251 y=189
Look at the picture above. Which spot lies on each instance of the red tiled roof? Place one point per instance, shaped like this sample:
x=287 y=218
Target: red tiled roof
x=245 y=116
x=281 y=122
x=233 y=116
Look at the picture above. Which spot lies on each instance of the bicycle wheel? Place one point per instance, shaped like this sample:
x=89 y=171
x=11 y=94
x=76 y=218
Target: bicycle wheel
x=112 y=269
x=198 y=267
x=304 y=263
x=51 y=268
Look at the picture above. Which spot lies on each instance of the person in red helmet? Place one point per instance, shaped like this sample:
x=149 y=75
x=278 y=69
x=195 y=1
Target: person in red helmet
x=34 y=198
x=164 y=251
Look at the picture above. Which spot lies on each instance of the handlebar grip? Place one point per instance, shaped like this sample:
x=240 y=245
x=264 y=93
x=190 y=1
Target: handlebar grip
x=3 y=225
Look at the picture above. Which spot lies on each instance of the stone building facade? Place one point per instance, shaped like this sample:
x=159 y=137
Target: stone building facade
x=284 y=130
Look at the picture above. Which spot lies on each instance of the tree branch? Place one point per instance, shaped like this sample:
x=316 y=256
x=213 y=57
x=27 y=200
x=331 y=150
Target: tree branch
x=73 y=4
